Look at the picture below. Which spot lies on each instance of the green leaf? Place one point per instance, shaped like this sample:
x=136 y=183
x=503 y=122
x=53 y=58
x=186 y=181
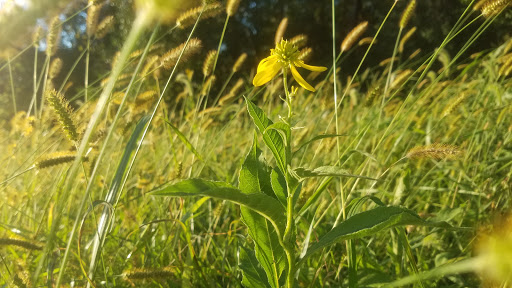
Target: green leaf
x=316 y=138
x=334 y=171
x=185 y=141
x=272 y=139
x=279 y=186
x=255 y=174
x=370 y=222
x=264 y=205
x=268 y=251
x=254 y=178
x=253 y=274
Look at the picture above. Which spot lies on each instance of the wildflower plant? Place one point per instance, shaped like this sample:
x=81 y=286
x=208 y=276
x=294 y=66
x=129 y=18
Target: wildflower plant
x=268 y=195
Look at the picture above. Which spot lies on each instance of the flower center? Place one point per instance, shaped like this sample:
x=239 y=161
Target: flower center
x=286 y=53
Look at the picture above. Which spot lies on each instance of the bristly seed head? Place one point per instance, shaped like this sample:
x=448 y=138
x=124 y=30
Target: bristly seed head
x=353 y=36
x=406 y=16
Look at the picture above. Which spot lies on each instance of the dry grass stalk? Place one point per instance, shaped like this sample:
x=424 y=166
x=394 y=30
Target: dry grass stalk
x=189 y=17
x=53 y=37
x=280 y=30
x=63 y=113
x=169 y=59
x=57 y=158
x=494 y=7
x=435 y=151
x=208 y=62
x=406 y=16
x=354 y=36
x=232 y=7
x=406 y=37
x=239 y=62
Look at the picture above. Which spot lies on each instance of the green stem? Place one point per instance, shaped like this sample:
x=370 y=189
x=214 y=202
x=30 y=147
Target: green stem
x=86 y=80
x=288 y=98
x=33 y=102
x=12 y=86
x=220 y=44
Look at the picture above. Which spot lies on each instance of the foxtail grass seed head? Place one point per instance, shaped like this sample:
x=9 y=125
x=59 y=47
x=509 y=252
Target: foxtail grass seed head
x=299 y=41
x=435 y=151
x=366 y=41
x=232 y=7
x=104 y=27
x=479 y=5
x=208 y=85
x=232 y=93
x=494 y=7
x=280 y=30
x=53 y=37
x=55 y=68
x=453 y=105
x=20 y=243
x=141 y=274
x=36 y=37
x=57 y=158
x=93 y=14
x=189 y=17
x=407 y=14
x=305 y=53
x=401 y=78
x=415 y=53
x=406 y=37
x=169 y=59
x=353 y=36
x=145 y=97
x=208 y=62
x=239 y=62
x=63 y=113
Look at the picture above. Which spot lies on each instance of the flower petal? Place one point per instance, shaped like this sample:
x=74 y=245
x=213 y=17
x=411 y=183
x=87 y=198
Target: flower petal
x=309 y=67
x=265 y=75
x=301 y=80
x=271 y=60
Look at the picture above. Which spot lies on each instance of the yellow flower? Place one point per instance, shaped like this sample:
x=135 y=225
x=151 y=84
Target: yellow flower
x=284 y=56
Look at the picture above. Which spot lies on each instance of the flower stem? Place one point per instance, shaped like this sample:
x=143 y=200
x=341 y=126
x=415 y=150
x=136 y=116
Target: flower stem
x=288 y=98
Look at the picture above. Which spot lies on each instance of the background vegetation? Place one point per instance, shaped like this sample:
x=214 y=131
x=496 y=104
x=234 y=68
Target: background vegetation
x=459 y=95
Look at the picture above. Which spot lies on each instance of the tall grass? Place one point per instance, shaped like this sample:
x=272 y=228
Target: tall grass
x=78 y=213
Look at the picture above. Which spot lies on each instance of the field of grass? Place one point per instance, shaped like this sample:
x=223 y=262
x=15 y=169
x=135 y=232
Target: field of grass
x=414 y=184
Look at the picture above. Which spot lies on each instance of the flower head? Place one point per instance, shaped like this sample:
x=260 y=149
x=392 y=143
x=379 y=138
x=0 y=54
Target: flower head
x=284 y=56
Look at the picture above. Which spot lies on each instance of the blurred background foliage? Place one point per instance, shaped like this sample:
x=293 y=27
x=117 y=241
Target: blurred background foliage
x=250 y=31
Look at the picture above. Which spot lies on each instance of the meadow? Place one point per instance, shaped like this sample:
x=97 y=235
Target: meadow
x=284 y=174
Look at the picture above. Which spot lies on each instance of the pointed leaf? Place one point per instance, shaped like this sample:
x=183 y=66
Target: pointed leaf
x=370 y=222
x=254 y=178
x=316 y=138
x=253 y=275
x=185 y=141
x=264 y=205
x=333 y=171
x=271 y=138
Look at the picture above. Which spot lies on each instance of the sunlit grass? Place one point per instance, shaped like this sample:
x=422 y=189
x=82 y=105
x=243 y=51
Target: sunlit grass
x=50 y=213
